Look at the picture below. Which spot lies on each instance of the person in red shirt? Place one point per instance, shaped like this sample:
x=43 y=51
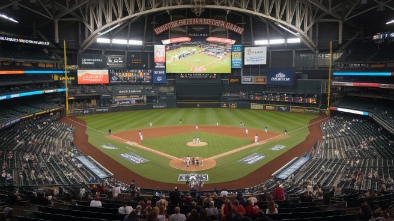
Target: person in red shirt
x=252 y=210
x=239 y=208
x=279 y=193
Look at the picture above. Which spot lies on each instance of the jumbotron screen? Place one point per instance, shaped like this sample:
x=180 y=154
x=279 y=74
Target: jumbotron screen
x=198 y=57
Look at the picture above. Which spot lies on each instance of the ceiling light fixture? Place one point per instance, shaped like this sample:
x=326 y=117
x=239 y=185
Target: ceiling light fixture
x=8 y=18
x=288 y=30
x=103 y=33
x=389 y=22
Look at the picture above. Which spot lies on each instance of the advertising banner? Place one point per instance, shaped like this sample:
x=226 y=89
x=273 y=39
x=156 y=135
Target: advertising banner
x=92 y=61
x=159 y=76
x=255 y=55
x=247 y=80
x=93 y=77
x=115 y=61
x=280 y=77
x=260 y=80
x=159 y=56
x=133 y=76
x=257 y=106
x=234 y=80
x=283 y=108
x=236 y=56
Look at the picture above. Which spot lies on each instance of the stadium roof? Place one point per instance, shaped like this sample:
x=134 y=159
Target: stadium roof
x=40 y=17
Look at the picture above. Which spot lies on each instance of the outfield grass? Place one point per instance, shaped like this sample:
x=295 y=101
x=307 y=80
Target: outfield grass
x=227 y=167
x=217 y=144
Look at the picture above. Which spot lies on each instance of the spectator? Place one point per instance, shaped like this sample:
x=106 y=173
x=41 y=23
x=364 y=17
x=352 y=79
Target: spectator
x=252 y=197
x=212 y=211
x=132 y=216
x=272 y=208
x=279 y=193
x=125 y=209
x=252 y=209
x=175 y=197
x=226 y=208
x=365 y=210
x=224 y=192
x=177 y=216
x=116 y=191
x=241 y=217
x=96 y=202
x=239 y=208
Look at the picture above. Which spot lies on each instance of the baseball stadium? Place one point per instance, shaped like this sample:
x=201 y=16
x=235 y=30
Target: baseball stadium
x=196 y=110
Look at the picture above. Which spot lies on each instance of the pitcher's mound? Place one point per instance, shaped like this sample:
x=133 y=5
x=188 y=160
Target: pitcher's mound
x=204 y=164
x=201 y=144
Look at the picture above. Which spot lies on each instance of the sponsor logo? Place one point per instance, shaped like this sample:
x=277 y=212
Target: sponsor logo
x=280 y=77
x=247 y=79
x=159 y=78
x=132 y=158
x=109 y=146
x=234 y=80
x=283 y=108
x=277 y=147
x=250 y=51
x=252 y=159
x=269 y=107
x=102 y=110
x=192 y=176
x=254 y=59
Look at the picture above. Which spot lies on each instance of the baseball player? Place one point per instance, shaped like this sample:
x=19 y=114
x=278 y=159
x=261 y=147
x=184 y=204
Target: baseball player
x=187 y=161
x=246 y=131
x=256 y=138
x=266 y=129
x=150 y=124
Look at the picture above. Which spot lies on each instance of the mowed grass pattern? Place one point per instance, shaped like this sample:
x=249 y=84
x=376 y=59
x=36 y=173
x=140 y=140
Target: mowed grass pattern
x=217 y=144
x=228 y=168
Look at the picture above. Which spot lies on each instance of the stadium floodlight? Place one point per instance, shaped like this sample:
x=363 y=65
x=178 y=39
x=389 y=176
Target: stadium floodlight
x=293 y=40
x=288 y=30
x=277 y=41
x=135 y=42
x=103 y=40
x=119 y=41
x=8 y=18
x=389 y=22
x=103 y=33
x=261 y=42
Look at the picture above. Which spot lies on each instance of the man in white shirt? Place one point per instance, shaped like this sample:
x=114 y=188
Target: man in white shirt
x=115 y=191
x=125 y=209
x=177 y=216
x=82 y=192
x=96 y=202
x=224 y=192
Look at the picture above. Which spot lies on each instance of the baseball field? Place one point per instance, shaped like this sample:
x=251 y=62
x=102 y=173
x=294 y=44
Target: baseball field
x=227 y=153
x=196 y=63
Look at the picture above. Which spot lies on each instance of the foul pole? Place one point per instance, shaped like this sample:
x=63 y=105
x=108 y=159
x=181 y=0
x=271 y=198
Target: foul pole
x=65 y=75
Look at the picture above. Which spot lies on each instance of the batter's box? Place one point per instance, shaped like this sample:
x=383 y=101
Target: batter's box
x=132 y=158
x=192 y=176
x=277 y=147
x=252 y=158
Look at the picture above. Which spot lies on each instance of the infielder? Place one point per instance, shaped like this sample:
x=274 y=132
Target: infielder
x=246 y=131
x=187 y=161
x=266 y=129
x=150 y=124
x=256 y=138
x=196 y=126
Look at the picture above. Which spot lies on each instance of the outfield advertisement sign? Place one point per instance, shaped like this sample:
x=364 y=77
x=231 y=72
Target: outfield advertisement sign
x=93 y=77
x=159 y=76
x=134 y=76
x=132 y=158
x=247 y=79
x=236 y=56
x=159 y=56
x=234 y=80
x=280 y=77
x=252 y=159
x=255 y=55
x=283 y=108
x=256 y=106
